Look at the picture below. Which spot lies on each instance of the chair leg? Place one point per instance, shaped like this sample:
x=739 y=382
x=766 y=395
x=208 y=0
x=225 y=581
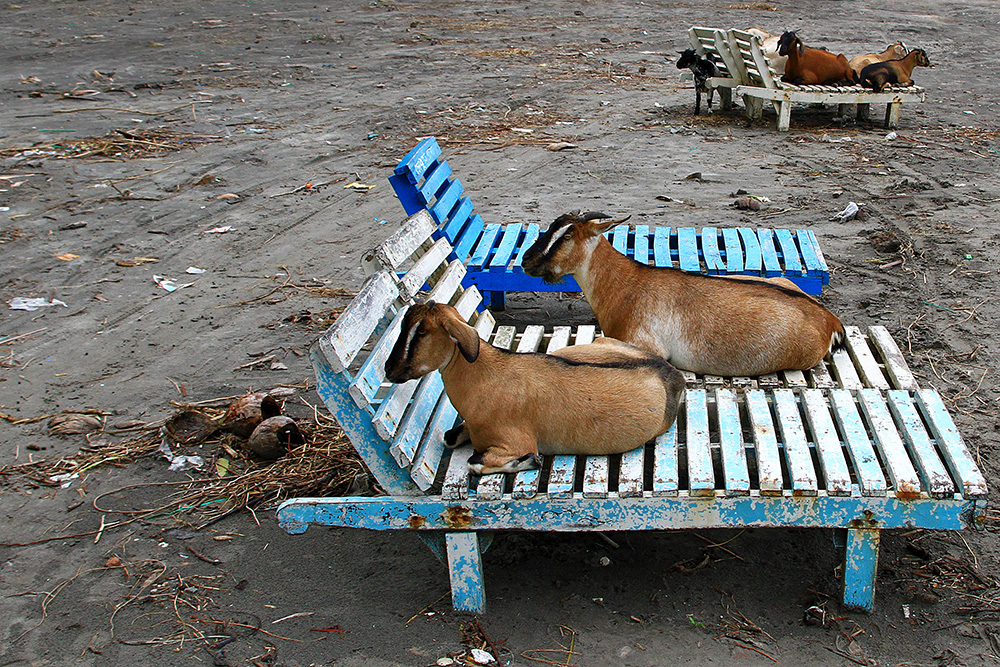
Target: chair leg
x=498 y=300
x=864 y=112
x=860 y=567
x=784 y=116
x=465 y=567
x=892 y=115
x=725 y=98
x=754 y=107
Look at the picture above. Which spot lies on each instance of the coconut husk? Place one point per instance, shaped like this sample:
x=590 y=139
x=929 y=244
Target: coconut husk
x=74 y=423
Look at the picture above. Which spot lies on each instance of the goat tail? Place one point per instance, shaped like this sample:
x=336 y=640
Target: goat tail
x=838 y=340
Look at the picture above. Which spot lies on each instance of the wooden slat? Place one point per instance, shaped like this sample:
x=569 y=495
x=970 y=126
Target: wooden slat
x=890 y=447
x=665 y=463
x=929 y=464
x=456 y=478
x=595 y=477
x=794 y=378
x=425 y=464
x=484 y=246
x=490 y=487
x=504 y=338
x=469 y=237
x=797 y=454
x=641 y=244
x=768 y=253
x=819 y=376
x=734 y=250
x=526 y=484
x=859 y=445
x=370 y=376
x=619 y=239
x=843 y=369
x=701 y=478
x=418 y=413
x=341 y=343
x=661 y=247
x=531 y=233
x=752 y=257
x=734 y=458
x=562 y=477
x=864 y=360
x=765 y=443
x=830 y=453
x=403 y=243
x=505 y=249
x=687 y=249
x=446 y=287
x=559 y=339
x=390 y=411
x=630 y=473
x=585 y=334
x=812 y=261
x=414 y=279
x=710 y=249
x=531 y=338
x=895 y=365
x=956 y=454
x=789 y=252
x=468 y=302
x=457 y=220
x=447 y=199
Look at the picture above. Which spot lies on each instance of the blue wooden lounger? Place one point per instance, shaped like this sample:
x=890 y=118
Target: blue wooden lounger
x=851 y=444
x=492 y=253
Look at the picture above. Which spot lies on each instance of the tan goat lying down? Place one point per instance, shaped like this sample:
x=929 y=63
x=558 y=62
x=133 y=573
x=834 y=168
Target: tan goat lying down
x=606 y=397
x=719 y=325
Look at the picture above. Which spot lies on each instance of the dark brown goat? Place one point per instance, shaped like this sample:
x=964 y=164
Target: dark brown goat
x=893 y=72
x=808 y=66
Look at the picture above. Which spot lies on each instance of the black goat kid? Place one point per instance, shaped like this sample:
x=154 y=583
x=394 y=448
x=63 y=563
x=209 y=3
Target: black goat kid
x=703 y=70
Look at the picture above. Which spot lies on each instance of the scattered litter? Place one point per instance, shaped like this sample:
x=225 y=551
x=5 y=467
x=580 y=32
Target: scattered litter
x=522 y=130
x=381 y=221
x=65 y=480
x=72 y=225
x=67 y=257
x=228 y=195
x=666 y=198
x=828 y=140
x=481 y=657
x=136 y=261
x=445 y=662
x=358 y=186
x=4 y=209
x=847 y=214
x=256 y=130
x=560 y=146
x=969 y=113
x=906 y=611
x=194 y=269
x=891 y=136
x=604 y=561
x=28 y=303
x=221 y=230
x=179 y=461
x=168 y=284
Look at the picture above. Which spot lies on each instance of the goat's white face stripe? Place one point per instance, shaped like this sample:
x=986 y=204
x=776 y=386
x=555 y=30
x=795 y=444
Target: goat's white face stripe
x=555 y=237
x=410 y=335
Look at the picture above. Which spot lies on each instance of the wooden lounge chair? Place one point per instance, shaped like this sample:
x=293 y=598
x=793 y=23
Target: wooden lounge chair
x=852 y=444
x=492 y=253
x=760 y=83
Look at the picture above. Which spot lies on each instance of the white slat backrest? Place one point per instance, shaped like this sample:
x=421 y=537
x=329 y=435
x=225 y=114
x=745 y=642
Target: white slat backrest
x=404 y=243
x=367 y=315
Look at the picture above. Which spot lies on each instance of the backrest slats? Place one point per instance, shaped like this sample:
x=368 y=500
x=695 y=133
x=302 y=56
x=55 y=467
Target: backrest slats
x=428 y=459
x=734 y=250
x=789 y=251
x=752 y=257
x=469 y=237
x=372 y=372
x=414 y=279
x=437 y=183
x=414 y=422
x=456 y=221
x=895 y=365
x=365 y=315
x=415 y=163
x=402 y=244
x=864 y=360
x=449 y=283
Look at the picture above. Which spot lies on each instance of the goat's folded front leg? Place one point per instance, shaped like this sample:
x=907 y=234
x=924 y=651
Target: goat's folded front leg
x=507 y=452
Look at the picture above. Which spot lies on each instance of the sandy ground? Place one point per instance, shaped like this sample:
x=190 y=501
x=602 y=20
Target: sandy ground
x=298 y=93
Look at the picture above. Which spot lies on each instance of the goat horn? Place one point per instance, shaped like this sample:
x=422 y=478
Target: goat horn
x=594 y=215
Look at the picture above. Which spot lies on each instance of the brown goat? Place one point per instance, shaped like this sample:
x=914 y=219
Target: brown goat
x=892 y=52
x=808 y=66
x=894 y=72
x=720 y=325
x=603 y=398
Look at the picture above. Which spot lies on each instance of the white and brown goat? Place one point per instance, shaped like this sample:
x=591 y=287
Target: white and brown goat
x=606 y=397
x=769 y=49
x=892 y=52
x=719 y=325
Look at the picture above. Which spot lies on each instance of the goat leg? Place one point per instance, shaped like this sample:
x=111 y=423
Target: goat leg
x=492 y=461
x=697 y=101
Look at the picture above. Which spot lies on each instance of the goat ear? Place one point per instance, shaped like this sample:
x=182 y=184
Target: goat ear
x=605 y=224
x=465 y=337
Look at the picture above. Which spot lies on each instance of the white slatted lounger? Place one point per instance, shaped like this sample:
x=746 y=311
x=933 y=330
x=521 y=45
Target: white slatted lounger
x=854 y=445
x=760 y=83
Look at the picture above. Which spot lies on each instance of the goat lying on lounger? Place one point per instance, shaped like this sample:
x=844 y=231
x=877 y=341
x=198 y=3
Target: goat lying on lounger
x=809 y=66
x=892 y=52
x=893 y=72
x=732 y=325
x=606 y=397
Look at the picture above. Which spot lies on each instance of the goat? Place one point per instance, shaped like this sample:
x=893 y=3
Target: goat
x=719 y=325
x=769 y=49
x=808 y=67
x=602 y=398
x=703 y=69
x=892 y=52
x=880 y=75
